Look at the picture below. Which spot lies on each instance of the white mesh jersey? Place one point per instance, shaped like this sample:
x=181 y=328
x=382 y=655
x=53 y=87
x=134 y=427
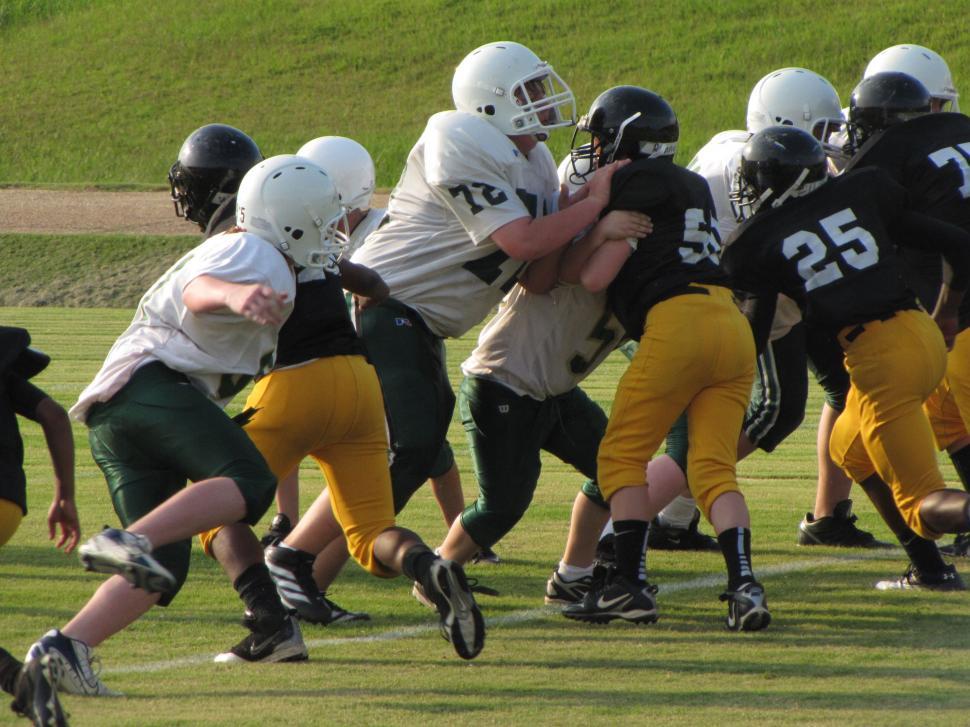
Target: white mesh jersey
x=543 y=345
x=718 y=162
x=218 y=351
x=370 y=222
x=463 y=180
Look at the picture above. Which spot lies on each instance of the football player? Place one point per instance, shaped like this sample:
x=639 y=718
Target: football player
x=892 y=127
x=926 y=66
x=803 y=99
x=659 y=288
x=18 y=364
x=204 y=180
x=154 y=410
x=476 y=202
x=830 y=244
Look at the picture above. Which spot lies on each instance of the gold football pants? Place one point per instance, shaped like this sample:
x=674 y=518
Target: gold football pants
x=948 y=407
x=330 y=409
x=696 y=355
x=893 y=367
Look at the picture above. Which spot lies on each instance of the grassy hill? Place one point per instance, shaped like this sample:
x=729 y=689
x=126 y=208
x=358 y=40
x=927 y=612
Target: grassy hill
x=104 y=91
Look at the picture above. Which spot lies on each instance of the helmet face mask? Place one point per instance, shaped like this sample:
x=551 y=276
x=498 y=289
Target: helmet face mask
x=883 y=100
x=623 y=122
x=210 y=165
x=777 y=163
x=507 y=84
x=293 y=204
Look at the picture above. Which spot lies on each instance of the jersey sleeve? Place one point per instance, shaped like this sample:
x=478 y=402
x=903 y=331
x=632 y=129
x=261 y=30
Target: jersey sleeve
x=467 y=164
x=235 y=258
x=24 y=396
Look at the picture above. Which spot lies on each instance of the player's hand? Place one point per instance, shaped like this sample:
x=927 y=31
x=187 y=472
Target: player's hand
x=64 y=513
x=599 y=184
x=258 y=303
x=624 y=225
x=363 y=302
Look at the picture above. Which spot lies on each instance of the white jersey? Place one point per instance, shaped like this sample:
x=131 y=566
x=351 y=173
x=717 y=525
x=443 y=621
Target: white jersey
x=464 y=179
x=544 y=344
x=218 y=351
x=370 y=222
x=718 y=162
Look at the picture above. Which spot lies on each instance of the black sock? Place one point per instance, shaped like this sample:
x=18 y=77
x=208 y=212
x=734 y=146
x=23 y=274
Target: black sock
x=417 y=563
x=922 y=553
x=736 y=545
x=9 y=669
x=631 y=549
x=256 y=589
x=961 y=463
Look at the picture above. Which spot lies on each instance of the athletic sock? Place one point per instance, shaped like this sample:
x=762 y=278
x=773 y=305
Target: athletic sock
x=922 y=553
x=265 y=612
x=736 y=545
x=9 y=669
x=573 y=572
x=417 y=563
x=961 y=463
x=631 y=549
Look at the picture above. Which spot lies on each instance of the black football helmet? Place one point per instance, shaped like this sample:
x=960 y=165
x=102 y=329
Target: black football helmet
x=883 y=100
x=777 y=163
x=624 y=122
x=210 y=165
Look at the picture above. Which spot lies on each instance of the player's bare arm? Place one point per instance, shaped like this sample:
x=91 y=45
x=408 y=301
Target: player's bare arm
x=60 y=443
x=366 y=284
x=255 y=301
x=617 y=226
x=529 y=239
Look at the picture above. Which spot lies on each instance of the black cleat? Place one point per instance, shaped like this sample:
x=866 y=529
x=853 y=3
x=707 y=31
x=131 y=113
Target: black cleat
x=460 y=619
x=606 y=551
x=35 y=693
x=614 y=598
x=912 y=580
x=282 y=644
x=292 y=572
x=663 y=537
x=838 y=529
x=339 y=615
x=747 y=607
x=279 y=528
x=959 y=547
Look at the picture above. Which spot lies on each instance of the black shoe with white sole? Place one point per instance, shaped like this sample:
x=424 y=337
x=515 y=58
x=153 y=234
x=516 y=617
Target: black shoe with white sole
x=747 y=607
x=460 y=618
x=616 y=598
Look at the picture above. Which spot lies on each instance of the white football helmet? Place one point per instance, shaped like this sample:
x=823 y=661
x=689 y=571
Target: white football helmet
x=292 y=203
x=922 y=64
x=509 y=86
x=796 y=97
x=348 y=164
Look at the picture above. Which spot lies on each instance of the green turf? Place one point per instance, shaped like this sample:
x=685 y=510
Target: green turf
x=104 y=91
x=837 y=653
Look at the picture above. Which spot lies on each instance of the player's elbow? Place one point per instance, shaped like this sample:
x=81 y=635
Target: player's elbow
x=593 y=281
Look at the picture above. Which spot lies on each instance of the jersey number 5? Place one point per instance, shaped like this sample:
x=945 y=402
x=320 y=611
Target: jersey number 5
x=855 y=246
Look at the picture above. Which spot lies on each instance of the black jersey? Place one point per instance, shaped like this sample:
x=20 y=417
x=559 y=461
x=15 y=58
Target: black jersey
x=683 y=248
x=319 y=325
x=222 y=219
x=832 y=251
x=930 y=157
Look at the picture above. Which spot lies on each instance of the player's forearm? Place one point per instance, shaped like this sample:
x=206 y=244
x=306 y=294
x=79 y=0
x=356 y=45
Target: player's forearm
x=604 y=265
x=361 y=280
x=60 y=443
x=529 y=239
x=207 y=294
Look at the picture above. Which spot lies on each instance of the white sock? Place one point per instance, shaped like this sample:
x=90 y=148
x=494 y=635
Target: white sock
x=678 y=513
x=573 y=572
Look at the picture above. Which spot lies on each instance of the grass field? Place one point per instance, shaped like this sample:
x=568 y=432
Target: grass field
x=104 y=91
x=837 y=653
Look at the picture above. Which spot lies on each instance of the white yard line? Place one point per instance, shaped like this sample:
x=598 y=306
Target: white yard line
x=531 y=614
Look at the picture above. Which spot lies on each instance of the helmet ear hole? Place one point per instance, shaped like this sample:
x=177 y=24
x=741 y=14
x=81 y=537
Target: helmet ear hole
x=296 y=234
